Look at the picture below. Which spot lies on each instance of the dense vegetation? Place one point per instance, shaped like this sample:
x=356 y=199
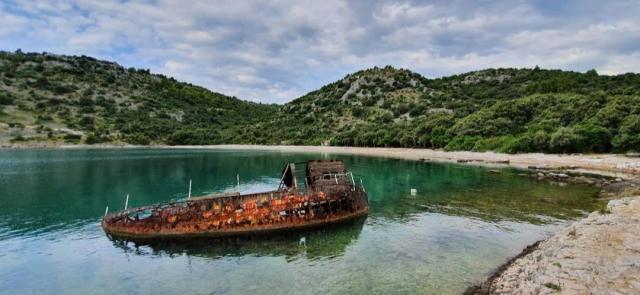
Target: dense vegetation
x=79 y=99
x=56 y=98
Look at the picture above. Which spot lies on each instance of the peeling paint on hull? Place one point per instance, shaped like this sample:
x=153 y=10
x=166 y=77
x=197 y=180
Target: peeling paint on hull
x=329 y=197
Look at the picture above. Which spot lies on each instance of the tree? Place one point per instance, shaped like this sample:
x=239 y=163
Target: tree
x=629 y=137
x=6 y=99
x=564 y=140
x=593 y=138
x=387 y=117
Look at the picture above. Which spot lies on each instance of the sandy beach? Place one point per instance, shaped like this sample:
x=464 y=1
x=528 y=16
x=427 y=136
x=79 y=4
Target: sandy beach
x=609 y=164
x=603 y=164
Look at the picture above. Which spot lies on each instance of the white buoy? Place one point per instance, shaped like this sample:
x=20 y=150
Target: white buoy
x=189 y=197
x=238 y=179
x=106 y=211
x=126 y=202
x=414 y=191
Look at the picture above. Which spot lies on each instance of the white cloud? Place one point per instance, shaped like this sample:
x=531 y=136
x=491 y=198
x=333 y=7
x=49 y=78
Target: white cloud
x=275 y=51
x=621 y=64
x=11 y=24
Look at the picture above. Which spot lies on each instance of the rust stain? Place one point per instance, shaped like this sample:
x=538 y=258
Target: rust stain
x=329 y=196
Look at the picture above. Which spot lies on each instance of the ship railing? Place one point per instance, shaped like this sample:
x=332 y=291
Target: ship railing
x=337 y=176
x=193 y=200
x=272 y=194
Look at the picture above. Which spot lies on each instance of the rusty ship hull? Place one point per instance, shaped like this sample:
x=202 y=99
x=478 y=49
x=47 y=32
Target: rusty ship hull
x=329 y=195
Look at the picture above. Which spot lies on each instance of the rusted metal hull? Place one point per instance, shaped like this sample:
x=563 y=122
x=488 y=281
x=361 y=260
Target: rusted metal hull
x=330 y=196
x=259 y=230
x=237 y=215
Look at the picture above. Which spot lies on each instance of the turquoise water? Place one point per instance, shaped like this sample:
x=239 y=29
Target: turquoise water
x=463 y=223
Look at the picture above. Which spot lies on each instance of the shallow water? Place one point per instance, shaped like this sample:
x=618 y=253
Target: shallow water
x=463 y=223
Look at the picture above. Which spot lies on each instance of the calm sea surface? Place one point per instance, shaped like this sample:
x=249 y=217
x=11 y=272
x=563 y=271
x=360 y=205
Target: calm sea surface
x=463 y=223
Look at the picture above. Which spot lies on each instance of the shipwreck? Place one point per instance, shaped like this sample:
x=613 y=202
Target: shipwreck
x=311 y=194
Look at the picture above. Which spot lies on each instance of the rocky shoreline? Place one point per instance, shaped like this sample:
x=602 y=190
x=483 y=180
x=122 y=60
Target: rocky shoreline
x=582 y=259
x=599 y=254
x=569 y=175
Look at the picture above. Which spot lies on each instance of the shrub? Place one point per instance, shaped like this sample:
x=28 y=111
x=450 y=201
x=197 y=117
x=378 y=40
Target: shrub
x=72 y=138
x=62 y=89
x=85 y=102
x=87 y=122
x=464 y=143
x=593 y=138
x=539 y=140
x=6 y=99
x=492 y=143
x=193 y=137
x=43 y=118
x=386 y=117
x=357 y=111
x=564 y=140
x=417 y=111
x=93 y=138
x=517 y=144
x=629 y=137
x=138 y=138
x=18 y=138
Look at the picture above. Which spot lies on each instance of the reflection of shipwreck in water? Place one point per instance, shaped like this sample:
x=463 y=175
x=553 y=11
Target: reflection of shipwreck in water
x=310 y=244
x=328 y=195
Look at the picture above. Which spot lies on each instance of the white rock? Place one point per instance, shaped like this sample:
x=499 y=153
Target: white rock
x=603 y=257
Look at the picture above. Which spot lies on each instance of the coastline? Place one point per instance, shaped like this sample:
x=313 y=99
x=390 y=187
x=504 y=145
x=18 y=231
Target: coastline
x=617 y=175
x=594 y=255
x=611 y=165
x=602 y=164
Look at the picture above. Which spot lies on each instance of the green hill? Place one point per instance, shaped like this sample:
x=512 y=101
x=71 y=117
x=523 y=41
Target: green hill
x=508 y=110
x=58 y=99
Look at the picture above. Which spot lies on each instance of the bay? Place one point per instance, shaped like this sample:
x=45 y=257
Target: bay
x=463 y=223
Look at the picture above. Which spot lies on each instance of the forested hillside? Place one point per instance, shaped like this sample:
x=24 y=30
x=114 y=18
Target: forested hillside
x=49 y=98
x=80 y=99
x=508 y=110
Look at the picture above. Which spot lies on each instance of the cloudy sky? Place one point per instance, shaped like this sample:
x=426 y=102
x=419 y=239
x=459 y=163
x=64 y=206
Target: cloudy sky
x=274 y=51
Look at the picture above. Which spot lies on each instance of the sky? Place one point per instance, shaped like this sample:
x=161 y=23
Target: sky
x=276 y=51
